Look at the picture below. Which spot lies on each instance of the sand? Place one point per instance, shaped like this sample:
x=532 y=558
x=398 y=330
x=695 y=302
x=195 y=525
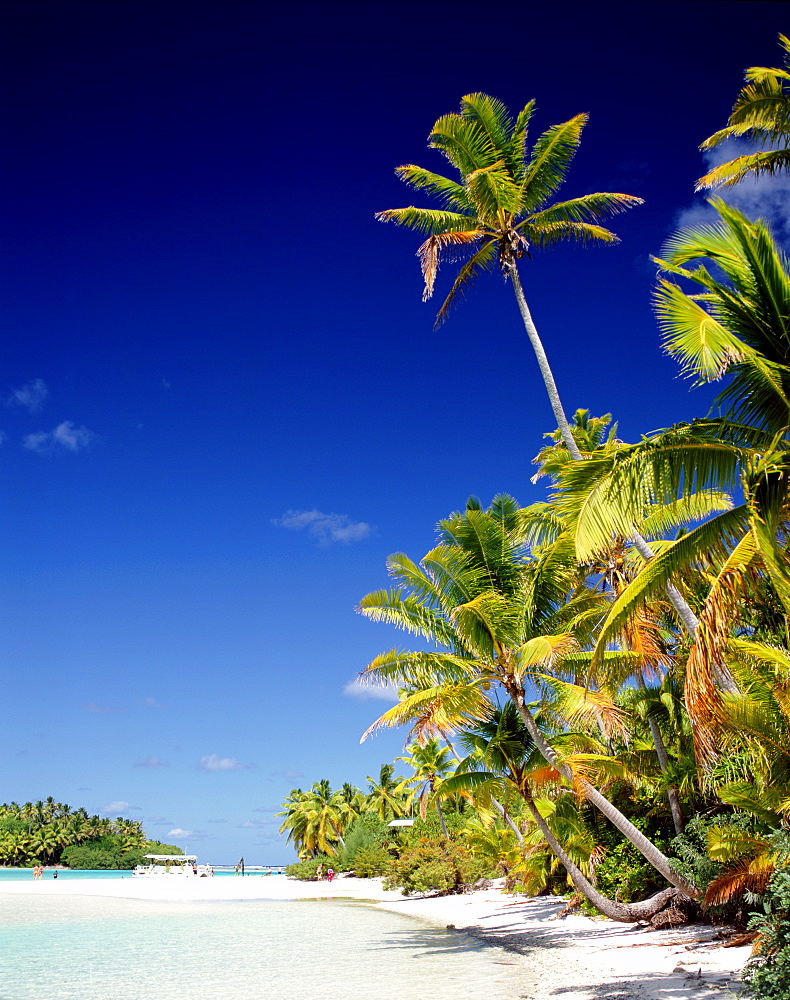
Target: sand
x=577 y=957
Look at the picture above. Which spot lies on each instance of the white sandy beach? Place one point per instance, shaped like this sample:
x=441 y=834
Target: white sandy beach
x=580 y=957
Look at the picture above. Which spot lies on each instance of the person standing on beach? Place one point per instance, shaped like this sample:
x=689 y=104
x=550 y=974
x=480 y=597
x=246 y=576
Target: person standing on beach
x=319 y=872
x=330 y=874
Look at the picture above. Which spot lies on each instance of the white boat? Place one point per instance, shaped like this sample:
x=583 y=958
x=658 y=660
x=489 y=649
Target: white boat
x=173 y=865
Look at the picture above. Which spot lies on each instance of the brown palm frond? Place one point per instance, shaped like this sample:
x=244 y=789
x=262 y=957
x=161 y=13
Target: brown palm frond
x=744 y=875
x=430 y=253
x=705 y=668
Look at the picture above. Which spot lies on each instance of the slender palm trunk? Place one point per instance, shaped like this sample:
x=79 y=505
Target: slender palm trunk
x=543 y=364
x=645 y=847
x=442 y=823
x=624 y=912
x=663 y=762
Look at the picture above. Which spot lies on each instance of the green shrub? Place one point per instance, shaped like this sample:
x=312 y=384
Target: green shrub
x=308 y=870
x=625 y=875
x=373 y=861
x=365 y=832
x=767 y=975
x=433 y=865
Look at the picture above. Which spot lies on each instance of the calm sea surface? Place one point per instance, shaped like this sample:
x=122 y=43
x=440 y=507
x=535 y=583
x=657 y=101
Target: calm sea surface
x=94 y=948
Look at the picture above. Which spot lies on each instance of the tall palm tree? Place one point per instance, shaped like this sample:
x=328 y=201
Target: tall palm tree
x=491 y=627
x=761 y=113
x=501 y=208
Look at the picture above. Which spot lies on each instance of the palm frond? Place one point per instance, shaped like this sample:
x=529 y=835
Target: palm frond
x=430 y=253
x=427 y=220
x=551 y=158
x=453 y=194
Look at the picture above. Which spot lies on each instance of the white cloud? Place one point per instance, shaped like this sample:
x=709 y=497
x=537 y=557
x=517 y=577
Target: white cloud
x=31 y=395
x=212 y=762
x=152 y=762
x=765 y=197
x=115 y=808
x=66 y=437
x=103 y=709
x=368 y=692
x=178 y=832
x=326 y=528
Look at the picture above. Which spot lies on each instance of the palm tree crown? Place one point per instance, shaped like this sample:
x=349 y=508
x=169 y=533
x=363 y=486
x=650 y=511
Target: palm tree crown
x=501 y=206
x=761 y=113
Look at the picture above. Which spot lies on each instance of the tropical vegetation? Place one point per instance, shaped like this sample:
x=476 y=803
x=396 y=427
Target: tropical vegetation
x=52 y=833
x=596 y=690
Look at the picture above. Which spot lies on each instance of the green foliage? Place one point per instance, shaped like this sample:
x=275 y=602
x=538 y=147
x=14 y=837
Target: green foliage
x=767 y=975
x=366 y=832
x=372 y=861
x=435 y=865
x=308 y=870
x=92 y=856
x=624 y=875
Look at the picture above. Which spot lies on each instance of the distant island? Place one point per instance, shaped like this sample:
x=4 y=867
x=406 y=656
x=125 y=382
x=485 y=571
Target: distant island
x=52 y=833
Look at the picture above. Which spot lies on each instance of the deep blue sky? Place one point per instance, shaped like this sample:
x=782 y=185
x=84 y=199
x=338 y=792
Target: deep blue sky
x=205 y=329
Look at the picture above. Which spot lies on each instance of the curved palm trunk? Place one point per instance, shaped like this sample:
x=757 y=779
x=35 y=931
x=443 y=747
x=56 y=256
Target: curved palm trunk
x=624 y=912
x=645 y=847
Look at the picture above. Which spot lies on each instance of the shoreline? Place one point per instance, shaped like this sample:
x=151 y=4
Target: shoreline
x=590 y=958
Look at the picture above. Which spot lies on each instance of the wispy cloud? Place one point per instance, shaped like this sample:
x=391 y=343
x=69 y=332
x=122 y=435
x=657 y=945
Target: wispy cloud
x=212 y=762
x=327 y=528
x=765 y=197
x=66 y=437
x=288 y=773
x=32 y=395
x=159 y=821
x=103 y=709
x=115 y=808
x=152 y=703
x=152 y=762
x=371 y=692
x=178 y=832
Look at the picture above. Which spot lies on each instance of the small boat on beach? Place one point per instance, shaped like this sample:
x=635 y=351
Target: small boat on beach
x=167 y=865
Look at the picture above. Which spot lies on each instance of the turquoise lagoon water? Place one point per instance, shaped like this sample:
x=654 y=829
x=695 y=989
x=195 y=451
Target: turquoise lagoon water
x=95 y=948
x=26 y=874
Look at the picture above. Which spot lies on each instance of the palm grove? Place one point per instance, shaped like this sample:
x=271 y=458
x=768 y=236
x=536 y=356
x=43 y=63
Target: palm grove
x=598 y=692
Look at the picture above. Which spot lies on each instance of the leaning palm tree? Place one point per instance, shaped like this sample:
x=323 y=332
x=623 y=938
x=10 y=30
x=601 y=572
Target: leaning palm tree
x=493 y=628
x=762 y=114
x=501 y=206
x=498 y=210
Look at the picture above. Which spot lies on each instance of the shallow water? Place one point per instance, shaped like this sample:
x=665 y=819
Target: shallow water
x=94 y=948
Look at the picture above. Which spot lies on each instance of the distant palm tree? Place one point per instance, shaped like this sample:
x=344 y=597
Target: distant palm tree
x=762 y=114
x=430 y=763
x=386 y=799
